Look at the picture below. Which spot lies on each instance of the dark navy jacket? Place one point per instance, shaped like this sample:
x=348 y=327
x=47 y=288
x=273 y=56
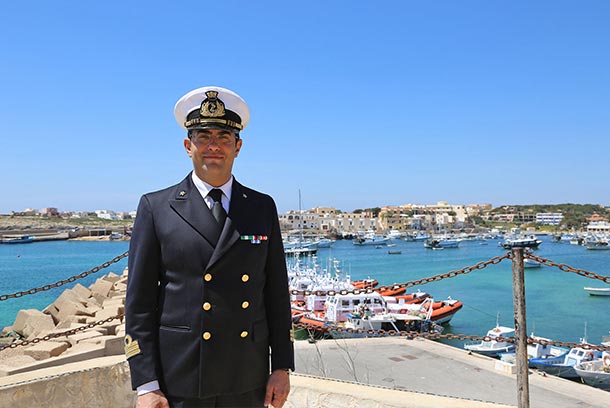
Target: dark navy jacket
x=203 y=313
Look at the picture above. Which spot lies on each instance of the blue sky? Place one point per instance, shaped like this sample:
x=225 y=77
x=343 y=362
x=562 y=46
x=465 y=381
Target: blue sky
x=357 y=104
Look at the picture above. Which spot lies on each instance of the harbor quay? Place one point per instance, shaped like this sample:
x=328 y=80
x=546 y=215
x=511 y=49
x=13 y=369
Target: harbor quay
x=88 y=369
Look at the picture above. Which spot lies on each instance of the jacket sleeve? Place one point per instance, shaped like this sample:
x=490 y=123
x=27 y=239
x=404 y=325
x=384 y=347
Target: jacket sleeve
x=277 y=299
x=141 y=321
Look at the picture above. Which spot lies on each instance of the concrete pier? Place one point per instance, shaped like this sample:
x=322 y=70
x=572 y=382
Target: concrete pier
x=390 y=372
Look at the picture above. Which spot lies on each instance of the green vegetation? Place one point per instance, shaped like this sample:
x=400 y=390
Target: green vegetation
x=574 y=215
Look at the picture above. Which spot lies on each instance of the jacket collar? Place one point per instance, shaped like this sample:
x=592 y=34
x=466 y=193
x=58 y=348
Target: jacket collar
x=191 y=207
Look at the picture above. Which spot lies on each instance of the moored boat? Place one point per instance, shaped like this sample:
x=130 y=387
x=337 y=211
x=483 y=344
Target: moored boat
x=595 y=373
x=493 y=347
x=598 y=291
x=24 y=239
x=563 y=366
x=523 y=241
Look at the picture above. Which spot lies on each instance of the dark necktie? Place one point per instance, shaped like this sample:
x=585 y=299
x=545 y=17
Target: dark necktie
x=217 y=211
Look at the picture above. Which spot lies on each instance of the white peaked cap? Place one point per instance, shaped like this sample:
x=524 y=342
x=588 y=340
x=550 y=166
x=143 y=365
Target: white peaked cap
x=193 y=111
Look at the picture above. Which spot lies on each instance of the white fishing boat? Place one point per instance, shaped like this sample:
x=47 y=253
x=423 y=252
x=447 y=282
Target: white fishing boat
x=441 y=243
x=596 y=243
x=370 y=238
x=597 y=372
x=598 y=291
x=537 y=350
x=493 y=347
x=520 y=241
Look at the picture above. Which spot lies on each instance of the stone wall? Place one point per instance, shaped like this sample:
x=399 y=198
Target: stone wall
x=104 y=383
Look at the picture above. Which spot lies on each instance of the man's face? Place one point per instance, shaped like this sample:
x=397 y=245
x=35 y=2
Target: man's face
x=213 y=152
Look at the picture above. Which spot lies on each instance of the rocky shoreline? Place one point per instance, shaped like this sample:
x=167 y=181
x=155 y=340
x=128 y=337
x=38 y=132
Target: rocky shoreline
x=73 y=309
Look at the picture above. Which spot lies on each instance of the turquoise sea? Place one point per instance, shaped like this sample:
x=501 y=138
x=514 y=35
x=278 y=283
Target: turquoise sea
x=557 y=305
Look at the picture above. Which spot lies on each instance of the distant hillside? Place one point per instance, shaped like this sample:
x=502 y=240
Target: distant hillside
x=574 y=215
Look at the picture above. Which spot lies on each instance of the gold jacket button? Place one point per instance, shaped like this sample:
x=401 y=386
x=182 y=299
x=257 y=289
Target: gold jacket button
x=245 y=305
x=207 y=306
x=207 y=277
x=245 y=278
x=244 y=334
x=207 y=335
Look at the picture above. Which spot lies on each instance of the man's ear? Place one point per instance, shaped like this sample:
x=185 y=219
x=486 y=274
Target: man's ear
x=187 y=146
x=237 y=147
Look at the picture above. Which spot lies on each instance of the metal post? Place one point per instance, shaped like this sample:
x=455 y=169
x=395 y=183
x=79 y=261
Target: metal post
x=523 y=392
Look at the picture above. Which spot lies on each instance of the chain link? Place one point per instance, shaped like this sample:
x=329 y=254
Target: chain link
x=567 y=268
x=64 y=281
x=448 y=336
x=451 y=274
x=62 y=334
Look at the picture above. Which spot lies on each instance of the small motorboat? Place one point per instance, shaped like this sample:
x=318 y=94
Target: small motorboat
x=596 y=373
x=493 y=347
x=598 y=291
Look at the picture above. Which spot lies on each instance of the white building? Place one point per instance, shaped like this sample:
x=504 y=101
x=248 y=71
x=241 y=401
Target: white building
x=107 y=215
x=599 y=227
x=549 y=218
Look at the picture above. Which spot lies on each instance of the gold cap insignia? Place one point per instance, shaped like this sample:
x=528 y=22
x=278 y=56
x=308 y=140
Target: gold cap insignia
x=212 y=107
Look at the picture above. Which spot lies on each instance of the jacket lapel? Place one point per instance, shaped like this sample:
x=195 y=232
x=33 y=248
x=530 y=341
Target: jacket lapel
x=191 y=207
x=230 y=233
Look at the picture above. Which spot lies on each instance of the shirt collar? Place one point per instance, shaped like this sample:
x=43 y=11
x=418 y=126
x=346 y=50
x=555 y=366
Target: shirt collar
x=204 y=188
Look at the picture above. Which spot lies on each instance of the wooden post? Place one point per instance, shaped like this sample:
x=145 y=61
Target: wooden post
x=523 y=392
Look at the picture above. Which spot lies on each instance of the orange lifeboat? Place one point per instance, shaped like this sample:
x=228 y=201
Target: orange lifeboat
x=365 y=283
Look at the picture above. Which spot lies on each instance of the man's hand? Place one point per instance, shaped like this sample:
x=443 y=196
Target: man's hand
x=278 y=387
x=154 y=399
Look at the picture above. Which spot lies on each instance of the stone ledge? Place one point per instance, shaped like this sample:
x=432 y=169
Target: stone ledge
x=104 y=382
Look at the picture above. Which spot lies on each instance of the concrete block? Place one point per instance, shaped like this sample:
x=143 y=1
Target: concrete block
x=72 y=355
x=93 y=308
x=69 y=295
x=119 y=286
x=70 y=322
x=10 y=364
x=120 y=330
x=111 y=327
x=111 y=277
x=53 y=311
x=75 y=339
x=101 y=287
x=71 y=308
x=46 y=349
x=97 y=298
x=505 y=367
x=82 y=291
x=6 y=330
x=113 y=345
x=32 y=321
x=116 y=301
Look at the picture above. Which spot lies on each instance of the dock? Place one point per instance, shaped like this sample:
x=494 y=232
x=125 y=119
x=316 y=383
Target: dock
x=425 y=367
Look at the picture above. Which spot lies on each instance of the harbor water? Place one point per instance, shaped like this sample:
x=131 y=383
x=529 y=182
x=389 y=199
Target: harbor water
x=557 y=306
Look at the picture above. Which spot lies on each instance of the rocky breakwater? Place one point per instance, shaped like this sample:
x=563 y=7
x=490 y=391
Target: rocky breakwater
x=73 y=309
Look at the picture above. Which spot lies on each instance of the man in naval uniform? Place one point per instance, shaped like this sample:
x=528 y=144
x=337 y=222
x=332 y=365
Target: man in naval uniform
x=207 y=311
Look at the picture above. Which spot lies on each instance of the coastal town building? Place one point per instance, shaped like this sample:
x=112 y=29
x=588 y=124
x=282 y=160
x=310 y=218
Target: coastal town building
x=107 y=215
x=549 y=218
x=324 y=220
x=599 y=227
x=49 y=212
